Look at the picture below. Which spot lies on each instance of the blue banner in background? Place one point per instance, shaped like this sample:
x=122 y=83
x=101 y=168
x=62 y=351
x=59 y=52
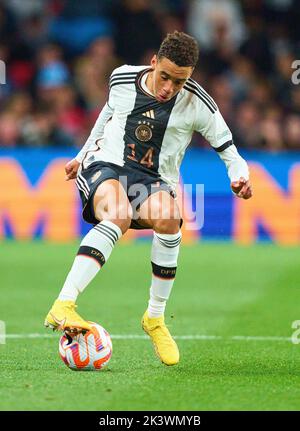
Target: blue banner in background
x=33 y=179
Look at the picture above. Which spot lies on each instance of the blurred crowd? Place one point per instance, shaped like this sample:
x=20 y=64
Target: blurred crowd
x=59 y=55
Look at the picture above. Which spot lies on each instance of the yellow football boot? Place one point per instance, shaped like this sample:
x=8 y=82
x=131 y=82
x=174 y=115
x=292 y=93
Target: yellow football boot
x=165 y=347
x=63 y=317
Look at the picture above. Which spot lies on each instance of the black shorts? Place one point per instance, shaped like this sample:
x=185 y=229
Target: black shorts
x=89 y=179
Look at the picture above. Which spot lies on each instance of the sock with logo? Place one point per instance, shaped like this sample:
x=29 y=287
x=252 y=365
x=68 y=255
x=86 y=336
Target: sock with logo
x=164 y=255
x=93 y=252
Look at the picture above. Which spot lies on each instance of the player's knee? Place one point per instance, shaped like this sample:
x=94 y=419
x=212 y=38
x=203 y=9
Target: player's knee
x=123 y=224
x=168 y=226
x=122 y=216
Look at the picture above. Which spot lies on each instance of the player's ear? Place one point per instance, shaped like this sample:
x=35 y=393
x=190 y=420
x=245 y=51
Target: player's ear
x=154 y=61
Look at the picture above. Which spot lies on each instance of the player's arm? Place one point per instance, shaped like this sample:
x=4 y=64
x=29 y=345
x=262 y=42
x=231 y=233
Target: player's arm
x=97 y=132
x=72 y=166
x=238 y=172
x=212 y=126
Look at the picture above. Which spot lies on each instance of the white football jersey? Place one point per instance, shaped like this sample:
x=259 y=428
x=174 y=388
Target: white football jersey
x=134 y=129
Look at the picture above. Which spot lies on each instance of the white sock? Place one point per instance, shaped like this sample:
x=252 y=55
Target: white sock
x=93 y=252
x=164 y=255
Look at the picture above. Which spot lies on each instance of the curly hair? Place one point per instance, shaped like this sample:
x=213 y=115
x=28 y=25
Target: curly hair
x=180 y=48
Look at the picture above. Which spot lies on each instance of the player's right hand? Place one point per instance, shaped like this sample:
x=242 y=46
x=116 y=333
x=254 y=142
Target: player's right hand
x=71 y=169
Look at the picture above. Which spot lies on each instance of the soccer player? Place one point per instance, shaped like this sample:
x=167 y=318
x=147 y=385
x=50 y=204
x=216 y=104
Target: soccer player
x=138 y=143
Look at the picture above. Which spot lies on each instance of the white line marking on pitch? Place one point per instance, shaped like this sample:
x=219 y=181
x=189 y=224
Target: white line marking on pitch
x=177 y=337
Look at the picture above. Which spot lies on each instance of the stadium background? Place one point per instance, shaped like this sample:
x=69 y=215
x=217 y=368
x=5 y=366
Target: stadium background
x=59 y=55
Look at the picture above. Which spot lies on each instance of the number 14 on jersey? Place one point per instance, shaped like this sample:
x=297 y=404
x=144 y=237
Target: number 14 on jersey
x=147 y=159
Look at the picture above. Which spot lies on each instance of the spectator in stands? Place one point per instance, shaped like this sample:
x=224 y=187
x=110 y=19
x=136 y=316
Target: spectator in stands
x=208 y=17
x=60 y=53
x=292 y=132
x=42 y=129
x=91 y=72
x=134 y=18
x=9 y=130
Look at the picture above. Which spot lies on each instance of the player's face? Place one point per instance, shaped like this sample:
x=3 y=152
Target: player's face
x=168 y=78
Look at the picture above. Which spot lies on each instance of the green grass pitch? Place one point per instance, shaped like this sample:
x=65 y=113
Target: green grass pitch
x=221 y=290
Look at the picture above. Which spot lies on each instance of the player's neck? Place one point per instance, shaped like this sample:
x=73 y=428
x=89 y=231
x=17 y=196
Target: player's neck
x=149 y=82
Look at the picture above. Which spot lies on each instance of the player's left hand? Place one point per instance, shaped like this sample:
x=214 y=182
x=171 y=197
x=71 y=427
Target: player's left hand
x=242 y=188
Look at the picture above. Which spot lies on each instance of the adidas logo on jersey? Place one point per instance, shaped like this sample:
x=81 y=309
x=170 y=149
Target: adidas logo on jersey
x=149 y=114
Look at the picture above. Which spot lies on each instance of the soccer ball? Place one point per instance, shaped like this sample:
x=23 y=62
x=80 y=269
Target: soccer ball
x=86 y=352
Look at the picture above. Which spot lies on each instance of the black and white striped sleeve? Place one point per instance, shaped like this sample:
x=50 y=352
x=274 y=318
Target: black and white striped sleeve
x=236 y=166
x=120 y=77
x=208 y=119
x=217 y=133
x=97 y=131
x=212 y=126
